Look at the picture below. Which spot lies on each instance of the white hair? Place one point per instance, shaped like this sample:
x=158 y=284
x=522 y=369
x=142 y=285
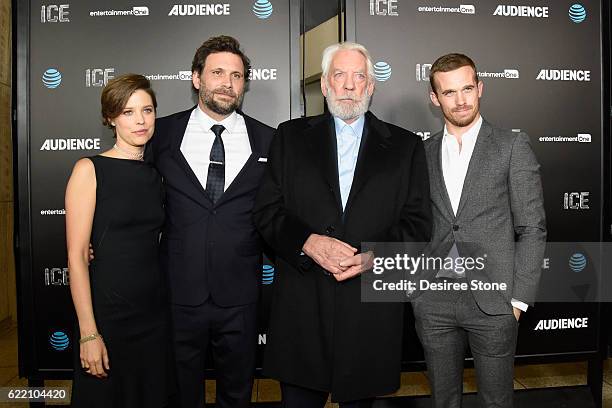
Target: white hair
x=329 y=52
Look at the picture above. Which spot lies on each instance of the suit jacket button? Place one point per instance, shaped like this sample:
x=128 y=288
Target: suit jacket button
x=455 y=227
x=330 y=229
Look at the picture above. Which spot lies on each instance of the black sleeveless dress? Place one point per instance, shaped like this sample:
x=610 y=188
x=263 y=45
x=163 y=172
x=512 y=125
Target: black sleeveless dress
x=129 y=292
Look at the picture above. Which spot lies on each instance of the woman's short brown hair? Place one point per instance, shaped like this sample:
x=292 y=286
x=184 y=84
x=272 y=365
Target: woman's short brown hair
x=117 y=92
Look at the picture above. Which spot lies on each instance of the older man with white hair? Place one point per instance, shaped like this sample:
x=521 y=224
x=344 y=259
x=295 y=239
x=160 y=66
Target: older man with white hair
x=334 y=181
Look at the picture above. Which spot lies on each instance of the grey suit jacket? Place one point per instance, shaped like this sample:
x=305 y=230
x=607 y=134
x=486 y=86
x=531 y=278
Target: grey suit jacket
x=500 y=214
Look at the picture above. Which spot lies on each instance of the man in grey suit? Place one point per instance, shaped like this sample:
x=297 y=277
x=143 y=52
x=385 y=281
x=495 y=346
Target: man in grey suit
x=487 y=202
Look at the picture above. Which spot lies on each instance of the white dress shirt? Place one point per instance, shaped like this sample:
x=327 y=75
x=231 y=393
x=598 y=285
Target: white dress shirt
x=455 y=162
x=198 y=141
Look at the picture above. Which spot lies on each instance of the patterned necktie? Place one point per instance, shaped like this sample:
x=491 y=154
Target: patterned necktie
x=216 y=169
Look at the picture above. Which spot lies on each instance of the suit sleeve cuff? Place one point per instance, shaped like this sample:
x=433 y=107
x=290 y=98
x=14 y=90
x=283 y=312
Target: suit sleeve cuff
x=519 y=305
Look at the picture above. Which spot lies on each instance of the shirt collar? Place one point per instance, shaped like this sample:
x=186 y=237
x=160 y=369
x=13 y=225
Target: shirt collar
x=472 y=132
x=207 y=122
x=356 y=126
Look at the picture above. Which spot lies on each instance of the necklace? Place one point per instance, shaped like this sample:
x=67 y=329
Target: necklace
x=132 y=156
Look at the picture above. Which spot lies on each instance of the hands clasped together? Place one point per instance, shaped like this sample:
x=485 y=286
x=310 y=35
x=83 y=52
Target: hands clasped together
x=337 y=257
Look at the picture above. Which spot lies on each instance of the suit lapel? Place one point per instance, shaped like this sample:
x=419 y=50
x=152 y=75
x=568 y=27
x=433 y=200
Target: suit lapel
x=256 y=149
x=178 y=132
x=438 y=176
x=479 y=157
x=374 y=141
x=321 y=137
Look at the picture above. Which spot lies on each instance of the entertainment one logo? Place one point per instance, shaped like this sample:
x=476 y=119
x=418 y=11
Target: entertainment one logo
x=462 y=9
x=180 y=76
x=521 y=11
x=563 y=324
x=54 y=13
x=505 y=74
x=53 y=212
x=576 y=200
x=57 y=277
x=564 y=75
x=200 y=10
x=71 y=144
x=580 y=138
x=383 y=8
x=137 y=11
x=98 y=77
x=422 y=73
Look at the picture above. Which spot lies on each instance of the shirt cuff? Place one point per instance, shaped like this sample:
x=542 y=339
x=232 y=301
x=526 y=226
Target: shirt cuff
x=519 y=305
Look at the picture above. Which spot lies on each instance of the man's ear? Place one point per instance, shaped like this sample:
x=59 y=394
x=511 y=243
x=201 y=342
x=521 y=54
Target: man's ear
x=323 y=86
x=195 y=80
x=434 y=98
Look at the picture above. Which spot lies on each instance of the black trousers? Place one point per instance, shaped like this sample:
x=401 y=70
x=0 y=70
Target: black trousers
x=300 y=397
x=231 y=334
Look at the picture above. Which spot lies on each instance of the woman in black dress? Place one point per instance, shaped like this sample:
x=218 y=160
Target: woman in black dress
x=114 y=201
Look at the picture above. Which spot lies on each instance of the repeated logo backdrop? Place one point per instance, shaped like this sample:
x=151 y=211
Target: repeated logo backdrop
x=75 y=49
x=540 y=62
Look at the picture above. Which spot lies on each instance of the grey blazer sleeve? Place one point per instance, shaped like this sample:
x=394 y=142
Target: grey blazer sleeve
x=529 y=219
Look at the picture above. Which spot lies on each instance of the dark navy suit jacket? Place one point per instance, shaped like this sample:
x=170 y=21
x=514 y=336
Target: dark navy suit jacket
x=209 y=250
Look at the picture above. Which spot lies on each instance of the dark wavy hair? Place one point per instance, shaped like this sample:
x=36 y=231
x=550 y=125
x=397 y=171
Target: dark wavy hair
x=221 y=43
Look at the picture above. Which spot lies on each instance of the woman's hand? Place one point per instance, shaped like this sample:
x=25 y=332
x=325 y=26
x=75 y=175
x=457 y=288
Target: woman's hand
x=94 y=358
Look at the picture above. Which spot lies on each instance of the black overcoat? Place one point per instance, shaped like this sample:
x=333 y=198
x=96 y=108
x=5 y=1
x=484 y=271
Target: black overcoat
x=321 y=335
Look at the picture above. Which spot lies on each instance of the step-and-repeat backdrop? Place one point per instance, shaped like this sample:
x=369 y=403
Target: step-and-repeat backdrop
x=540 y=62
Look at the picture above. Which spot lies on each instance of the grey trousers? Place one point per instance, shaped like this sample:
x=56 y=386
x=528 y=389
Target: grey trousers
x=449 y=321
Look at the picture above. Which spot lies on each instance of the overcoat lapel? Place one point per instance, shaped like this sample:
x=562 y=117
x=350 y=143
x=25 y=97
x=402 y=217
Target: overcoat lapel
x=321 y=137
x=376 y=139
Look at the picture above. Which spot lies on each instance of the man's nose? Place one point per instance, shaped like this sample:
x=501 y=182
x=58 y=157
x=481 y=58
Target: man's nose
x=349 y=83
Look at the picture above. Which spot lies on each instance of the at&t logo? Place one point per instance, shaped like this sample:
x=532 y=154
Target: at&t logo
x=382 y=71
x=262 y=9
x=52 y=78
x=59 y=341
x=267 y=276
x=577 y=13
x=577 y=262
x=53 y=13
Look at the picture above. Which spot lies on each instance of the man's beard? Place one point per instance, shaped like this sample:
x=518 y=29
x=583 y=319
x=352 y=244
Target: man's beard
x=220 y=107
x=346 y=111
x=465 y=121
